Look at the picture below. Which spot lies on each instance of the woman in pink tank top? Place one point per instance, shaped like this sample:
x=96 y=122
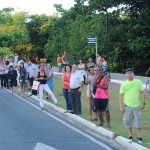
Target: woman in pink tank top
x=101 y=83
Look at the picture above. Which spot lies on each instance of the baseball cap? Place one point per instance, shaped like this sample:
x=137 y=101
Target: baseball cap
x=129 y=69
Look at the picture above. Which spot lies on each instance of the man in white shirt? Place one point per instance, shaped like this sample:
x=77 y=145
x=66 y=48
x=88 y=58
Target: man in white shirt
x=76 y=83
x=33 y=69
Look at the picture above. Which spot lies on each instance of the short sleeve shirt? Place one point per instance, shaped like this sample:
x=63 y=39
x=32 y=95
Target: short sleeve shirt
x=131 y=91
x=91 y=81
x=76 y=79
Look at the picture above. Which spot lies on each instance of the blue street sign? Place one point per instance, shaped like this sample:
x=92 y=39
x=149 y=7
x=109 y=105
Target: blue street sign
x=91 y=40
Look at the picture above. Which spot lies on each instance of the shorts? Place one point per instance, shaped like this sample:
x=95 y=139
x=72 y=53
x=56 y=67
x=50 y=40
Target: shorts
x=101 y=104
x=59 y=64
x=13 y=83
x=23 y=81
x=132 y=117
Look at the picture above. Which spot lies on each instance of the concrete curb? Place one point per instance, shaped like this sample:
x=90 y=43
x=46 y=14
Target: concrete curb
x=131 y=146
x=85 y=122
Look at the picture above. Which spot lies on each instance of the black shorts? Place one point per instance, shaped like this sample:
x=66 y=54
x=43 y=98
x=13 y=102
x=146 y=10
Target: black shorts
x=13 y=83
x=101 y=104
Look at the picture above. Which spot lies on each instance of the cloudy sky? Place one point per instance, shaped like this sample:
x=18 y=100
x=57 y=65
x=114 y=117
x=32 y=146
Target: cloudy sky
x=35 y=6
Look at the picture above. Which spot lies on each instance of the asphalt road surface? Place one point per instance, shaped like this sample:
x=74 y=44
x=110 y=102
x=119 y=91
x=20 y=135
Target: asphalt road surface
x=24 y=127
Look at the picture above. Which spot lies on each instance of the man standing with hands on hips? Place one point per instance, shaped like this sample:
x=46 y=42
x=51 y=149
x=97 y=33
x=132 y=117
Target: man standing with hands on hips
x=76 y=83
x=129 y=99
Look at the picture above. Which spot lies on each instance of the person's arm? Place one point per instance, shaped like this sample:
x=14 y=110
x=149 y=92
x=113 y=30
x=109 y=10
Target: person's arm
x=36 y=68
x=86 y=78
x=143 y=99
x=105 y=85
x=35 y=77
x=121 y=95
x=81 y=82
x=95 y=82
x=81 y=85
x=51 y=73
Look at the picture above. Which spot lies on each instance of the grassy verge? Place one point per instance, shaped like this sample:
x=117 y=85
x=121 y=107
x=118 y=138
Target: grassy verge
x=116 y=117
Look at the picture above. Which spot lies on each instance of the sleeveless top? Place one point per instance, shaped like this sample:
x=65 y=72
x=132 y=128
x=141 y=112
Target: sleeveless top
x=66 y=79
x=102 y=93
x=81 y=66
x=23 y=74
x=44 y=76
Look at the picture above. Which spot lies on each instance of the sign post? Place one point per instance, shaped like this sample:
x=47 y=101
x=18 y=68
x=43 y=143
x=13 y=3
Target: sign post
x=93 y=40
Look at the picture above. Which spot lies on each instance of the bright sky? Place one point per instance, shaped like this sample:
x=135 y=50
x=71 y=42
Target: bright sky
x=36 y=6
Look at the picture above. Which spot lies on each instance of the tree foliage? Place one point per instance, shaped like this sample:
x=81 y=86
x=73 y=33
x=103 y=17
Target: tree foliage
x=122 y=28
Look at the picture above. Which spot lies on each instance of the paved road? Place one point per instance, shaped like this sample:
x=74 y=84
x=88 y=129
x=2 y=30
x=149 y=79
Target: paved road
x=23 y=127
x=122 y=77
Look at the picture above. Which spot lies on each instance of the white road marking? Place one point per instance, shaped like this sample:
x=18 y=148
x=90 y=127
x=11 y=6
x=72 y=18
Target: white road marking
x=41 y=146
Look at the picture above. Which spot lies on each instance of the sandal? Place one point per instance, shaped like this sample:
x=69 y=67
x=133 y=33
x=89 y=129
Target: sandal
x=95 y=119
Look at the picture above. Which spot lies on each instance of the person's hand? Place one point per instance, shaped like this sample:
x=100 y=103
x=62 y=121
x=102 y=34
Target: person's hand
x=142 y=106
x=86 y=73
x=121 y=109
x=79 y=90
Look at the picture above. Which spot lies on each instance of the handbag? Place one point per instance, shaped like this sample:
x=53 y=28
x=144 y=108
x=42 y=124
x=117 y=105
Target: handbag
x=94 y=89
x=35 y=87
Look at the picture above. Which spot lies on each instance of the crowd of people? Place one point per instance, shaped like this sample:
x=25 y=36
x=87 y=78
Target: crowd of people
x=22 y=73
x=98 y=94
x=16 y=73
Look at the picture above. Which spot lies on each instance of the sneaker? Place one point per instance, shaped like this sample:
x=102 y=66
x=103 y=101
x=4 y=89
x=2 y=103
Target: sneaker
x=139 y=140
x=71 y=112
x=130 y=139
x=42 y=108
x=66 y=111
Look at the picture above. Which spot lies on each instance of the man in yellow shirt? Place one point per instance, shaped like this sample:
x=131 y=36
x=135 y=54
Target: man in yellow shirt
x=129 y=99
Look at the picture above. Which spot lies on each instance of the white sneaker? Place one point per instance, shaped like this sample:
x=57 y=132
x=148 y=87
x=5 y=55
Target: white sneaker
x=130 y=140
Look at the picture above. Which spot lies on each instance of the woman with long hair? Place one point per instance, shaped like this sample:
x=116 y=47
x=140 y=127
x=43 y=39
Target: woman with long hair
x=49 y=71
x=66 y=87
x=23 y=79
x=42 y=77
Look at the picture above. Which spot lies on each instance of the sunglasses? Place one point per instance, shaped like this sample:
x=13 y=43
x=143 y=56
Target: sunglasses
x=96 y=70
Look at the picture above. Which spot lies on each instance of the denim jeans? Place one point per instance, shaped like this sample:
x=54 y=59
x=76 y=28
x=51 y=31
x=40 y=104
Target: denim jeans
x=68 y=99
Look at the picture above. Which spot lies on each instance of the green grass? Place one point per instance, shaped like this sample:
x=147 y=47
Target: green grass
x=116 y=117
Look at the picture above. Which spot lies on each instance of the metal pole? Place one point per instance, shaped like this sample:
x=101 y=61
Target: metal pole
x=107 y=34
x=96 y=49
